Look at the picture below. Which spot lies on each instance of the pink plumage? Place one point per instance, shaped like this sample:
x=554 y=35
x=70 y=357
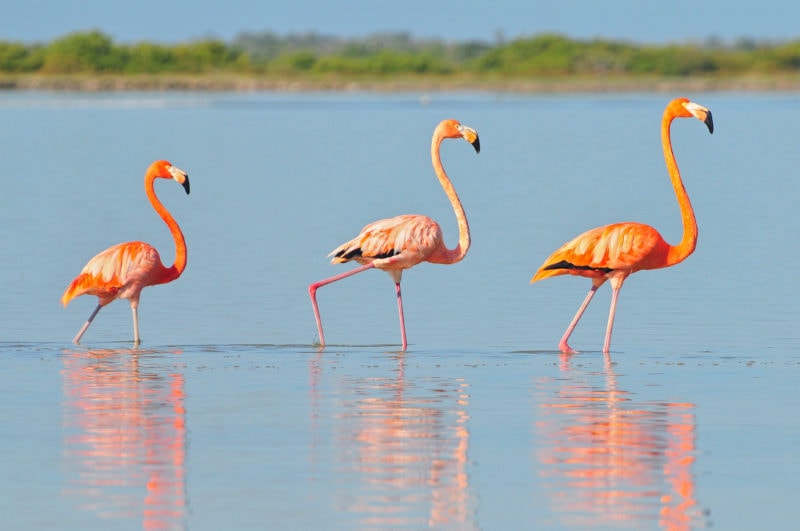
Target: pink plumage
x=401 y=242
x=614 y=252
x=122 y=271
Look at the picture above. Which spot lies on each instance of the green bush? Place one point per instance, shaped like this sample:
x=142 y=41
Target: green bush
x=84 y=52
x=149 y=58
x=15 y=57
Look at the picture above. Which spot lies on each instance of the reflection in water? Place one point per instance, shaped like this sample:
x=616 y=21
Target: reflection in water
x=406 y=446
x=124 y=438
x=611 y=462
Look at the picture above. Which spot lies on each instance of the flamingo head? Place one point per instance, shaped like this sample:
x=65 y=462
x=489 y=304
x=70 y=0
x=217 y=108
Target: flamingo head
x=684 y=108
x=163 y=169
x=454 y=129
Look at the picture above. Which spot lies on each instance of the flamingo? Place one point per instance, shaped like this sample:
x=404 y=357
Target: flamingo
x=404 y=241
x=122 y=271
x=615 y=251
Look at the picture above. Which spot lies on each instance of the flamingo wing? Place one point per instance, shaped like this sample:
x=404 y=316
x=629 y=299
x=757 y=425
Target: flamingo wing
x=402 y=241
x=118 y=271
x=601 y=251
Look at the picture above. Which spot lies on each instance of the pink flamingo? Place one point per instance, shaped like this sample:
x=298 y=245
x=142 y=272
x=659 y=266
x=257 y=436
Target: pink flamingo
x=614 y=252
x=404 y=241
x=122 y=271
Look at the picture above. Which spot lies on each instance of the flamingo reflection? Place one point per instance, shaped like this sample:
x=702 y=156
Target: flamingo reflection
x=611 y=462
x=406 y=445
x=125 y=438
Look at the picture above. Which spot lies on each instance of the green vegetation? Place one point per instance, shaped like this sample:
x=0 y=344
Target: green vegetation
x=387 y=57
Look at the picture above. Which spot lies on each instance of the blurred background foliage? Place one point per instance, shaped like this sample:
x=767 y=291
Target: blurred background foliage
x=388 y=54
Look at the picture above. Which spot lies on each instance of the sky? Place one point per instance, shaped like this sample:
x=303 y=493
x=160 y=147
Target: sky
x=170 y=21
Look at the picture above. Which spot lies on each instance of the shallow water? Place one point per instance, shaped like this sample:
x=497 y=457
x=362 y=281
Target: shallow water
x=229 y=417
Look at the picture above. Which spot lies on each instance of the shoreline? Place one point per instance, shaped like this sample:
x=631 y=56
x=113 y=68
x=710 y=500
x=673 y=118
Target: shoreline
x=253 y=83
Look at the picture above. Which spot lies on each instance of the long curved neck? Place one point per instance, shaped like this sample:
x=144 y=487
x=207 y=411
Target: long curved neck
x=450 y=256
x=180 y=243
x=678 y=253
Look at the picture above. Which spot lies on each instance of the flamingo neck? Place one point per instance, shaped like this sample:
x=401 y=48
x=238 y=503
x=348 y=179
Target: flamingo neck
x=450 y=256
x=180 y=243
x=678 y=253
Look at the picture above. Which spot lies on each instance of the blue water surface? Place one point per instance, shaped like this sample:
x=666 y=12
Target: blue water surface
x=229 y=416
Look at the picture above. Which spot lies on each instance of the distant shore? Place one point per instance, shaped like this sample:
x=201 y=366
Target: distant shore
x=239 y=83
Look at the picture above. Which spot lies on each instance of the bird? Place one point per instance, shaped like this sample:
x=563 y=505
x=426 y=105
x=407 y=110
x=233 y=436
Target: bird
x=613 y=252
x=401 y=242
x=122 y=271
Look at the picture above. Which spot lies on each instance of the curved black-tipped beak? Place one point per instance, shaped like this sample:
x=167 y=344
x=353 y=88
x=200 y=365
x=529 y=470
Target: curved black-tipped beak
x=185 y=184
x=709 y=121
x=470 y=135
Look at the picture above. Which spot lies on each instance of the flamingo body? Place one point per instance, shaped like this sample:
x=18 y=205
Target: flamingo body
x=119 y=272
x=619 y=248
x=613 y=252
x=123 y=270
x=393 y=244
x=399 y=243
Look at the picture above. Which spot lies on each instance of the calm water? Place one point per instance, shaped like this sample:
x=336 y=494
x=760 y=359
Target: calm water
x=229 y=417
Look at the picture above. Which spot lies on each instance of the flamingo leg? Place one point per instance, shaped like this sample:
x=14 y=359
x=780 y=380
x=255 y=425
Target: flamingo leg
x=611 y=313
x=312 y=293
x=402 y=319
x=562 y=345
x=135 y=312
x=85 y=326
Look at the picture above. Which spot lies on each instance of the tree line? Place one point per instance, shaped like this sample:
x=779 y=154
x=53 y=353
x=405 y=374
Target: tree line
x=541 y=55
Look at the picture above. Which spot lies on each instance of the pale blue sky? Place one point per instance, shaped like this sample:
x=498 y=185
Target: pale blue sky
x=181 y=20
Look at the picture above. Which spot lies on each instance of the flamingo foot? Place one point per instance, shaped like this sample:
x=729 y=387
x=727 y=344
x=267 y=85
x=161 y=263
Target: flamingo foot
x=565 y=348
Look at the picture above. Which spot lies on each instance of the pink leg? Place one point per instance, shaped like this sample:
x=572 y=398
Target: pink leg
x=135 y=312
x=610 y=325
x=402 y=319
x=85 y=326
x=312 y=292
x=562 y=345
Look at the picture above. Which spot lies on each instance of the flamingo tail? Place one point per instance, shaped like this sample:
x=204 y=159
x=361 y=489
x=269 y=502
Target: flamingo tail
x=77 y=287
